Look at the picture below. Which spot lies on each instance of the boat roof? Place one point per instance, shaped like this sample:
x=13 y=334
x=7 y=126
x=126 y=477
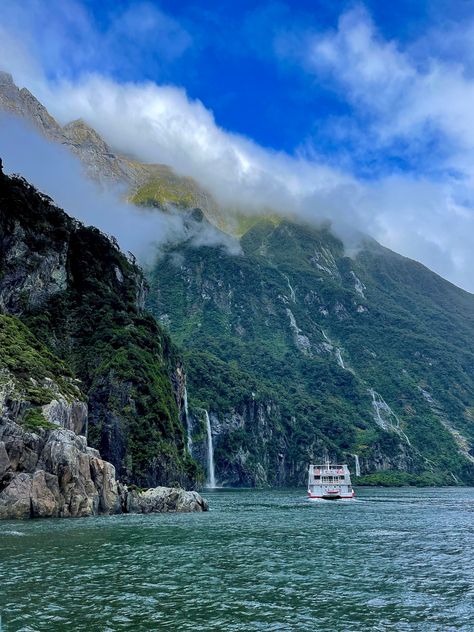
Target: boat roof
x=331 y=465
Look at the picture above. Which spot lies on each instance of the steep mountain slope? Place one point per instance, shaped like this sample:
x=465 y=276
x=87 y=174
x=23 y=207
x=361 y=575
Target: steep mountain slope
x=80 y=303
x=296 y=350
x=147 y=184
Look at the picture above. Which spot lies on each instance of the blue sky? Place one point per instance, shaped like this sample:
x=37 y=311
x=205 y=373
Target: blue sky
x=238 y=58
x=354 y=110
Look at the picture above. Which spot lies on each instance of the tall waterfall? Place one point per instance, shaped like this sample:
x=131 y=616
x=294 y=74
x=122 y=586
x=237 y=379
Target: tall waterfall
x=211 y=475
x=357 y=464
x=188 y=421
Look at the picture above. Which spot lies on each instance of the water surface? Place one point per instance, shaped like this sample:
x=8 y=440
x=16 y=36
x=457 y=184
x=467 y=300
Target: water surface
x=395 y=559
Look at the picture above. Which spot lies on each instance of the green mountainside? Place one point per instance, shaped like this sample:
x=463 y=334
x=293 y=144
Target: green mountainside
x=297 y=351
x=73 y=326
x=293 y=350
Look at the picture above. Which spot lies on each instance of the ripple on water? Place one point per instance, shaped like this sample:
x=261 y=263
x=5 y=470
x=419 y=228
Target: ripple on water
x=392 y=560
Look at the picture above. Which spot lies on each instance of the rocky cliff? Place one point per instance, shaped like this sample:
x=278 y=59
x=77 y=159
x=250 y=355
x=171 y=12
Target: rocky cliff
x=79 y=346
x=53 y=473
x=297 y=350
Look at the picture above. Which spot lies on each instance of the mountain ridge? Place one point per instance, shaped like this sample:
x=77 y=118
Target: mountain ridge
x=359 y=345
x=146 y=184
x=295 y=351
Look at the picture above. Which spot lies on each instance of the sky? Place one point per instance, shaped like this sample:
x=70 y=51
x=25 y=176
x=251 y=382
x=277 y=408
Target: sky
x=357 y=111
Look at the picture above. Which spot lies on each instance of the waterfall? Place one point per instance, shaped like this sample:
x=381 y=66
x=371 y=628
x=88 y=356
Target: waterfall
x=339 y=359
x=292 y=291
x=383 y=415
x=188 y=421
x=211 y=476
x=337 y=351
x=357 y=464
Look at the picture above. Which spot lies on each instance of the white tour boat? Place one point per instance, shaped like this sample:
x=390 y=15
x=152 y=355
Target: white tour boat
x=329 y=482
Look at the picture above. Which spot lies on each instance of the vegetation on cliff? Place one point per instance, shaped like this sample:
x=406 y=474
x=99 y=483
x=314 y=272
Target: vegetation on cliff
x=369 y=355
x=76 y=293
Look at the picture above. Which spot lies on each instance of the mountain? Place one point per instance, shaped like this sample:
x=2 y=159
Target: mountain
x=146 y=184
x=77 y=343
x=296 y=351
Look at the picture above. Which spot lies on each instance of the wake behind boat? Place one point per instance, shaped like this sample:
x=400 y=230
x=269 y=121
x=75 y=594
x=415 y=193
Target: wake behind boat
x=329 y=482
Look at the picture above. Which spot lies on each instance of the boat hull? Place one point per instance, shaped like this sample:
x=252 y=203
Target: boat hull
x=350 y=497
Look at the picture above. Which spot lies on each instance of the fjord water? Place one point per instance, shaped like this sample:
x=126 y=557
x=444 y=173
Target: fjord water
x=395 y=559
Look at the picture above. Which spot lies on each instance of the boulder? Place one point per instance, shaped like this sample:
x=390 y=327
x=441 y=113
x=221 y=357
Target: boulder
x=163 y=500
x=15 y=500
x=46 y=501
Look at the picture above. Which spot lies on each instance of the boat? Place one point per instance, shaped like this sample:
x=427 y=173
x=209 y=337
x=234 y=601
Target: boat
x=329 y=481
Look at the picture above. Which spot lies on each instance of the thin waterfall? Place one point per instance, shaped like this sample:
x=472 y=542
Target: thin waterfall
x=211 y=475
x=383 y=415
x=188 y=421
x=357 y=464
x=339 y=359
x=292 y=291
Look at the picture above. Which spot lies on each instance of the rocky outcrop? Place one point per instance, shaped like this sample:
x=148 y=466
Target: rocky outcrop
x=54 y=473
x=67 y=290
x=163 y=500
x=69 y=415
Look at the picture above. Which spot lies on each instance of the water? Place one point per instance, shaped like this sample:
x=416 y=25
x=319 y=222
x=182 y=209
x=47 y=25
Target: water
x=393 y=560
x=211 y=475
x=339 y=359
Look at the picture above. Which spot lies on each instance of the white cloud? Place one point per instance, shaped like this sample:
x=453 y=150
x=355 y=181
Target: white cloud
x=160 y=124
x=423 y=218
x=403 y=96
x=54 y=170
x=414 y=216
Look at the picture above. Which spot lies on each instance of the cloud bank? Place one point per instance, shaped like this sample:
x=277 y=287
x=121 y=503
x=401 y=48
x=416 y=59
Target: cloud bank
x=54 y=170
x=425 y=213
x=420 y=217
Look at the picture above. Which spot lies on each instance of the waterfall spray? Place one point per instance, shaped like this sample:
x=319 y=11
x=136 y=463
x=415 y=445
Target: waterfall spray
x=211 y=476
x=357 y=464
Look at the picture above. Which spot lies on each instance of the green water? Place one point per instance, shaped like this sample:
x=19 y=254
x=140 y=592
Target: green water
x=392 y=560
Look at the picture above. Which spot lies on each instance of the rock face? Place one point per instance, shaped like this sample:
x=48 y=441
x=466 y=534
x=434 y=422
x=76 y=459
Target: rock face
x=53 y=473
x=69 y=415
x=67 y=291
x=294 y=349
x=163 y=500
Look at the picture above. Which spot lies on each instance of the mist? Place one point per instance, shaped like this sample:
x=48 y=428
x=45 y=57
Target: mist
x=53 y=170
x=430 y=221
